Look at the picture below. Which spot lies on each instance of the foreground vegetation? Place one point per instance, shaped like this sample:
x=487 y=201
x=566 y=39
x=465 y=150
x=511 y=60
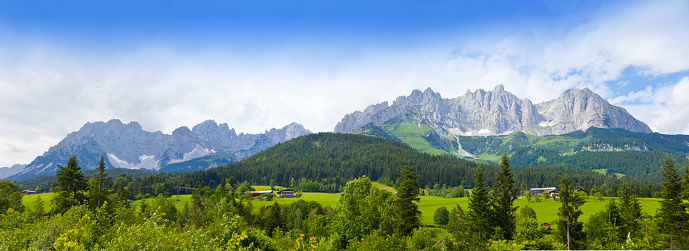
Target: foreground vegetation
x=98 y=214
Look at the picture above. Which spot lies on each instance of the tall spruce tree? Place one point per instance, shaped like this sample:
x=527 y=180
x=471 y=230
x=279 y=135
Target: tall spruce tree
x=480 y=210
x=69 y=187
x=672 y=213
x=407 y=194
x=630 y=212
x=503 y=196
x=571 y=230
x=99 y=186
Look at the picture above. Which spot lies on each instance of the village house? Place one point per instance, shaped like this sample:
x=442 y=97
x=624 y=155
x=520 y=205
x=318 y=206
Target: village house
x=28 y=192
x=540 y=191
x=287 y=193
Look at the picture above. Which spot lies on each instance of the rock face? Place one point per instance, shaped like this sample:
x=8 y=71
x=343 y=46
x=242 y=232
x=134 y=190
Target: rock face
x=498 y=112
x=129 y=146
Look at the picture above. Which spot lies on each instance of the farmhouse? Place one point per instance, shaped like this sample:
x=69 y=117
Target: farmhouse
x=539 y=191
x=287 y=193
x=28 y=192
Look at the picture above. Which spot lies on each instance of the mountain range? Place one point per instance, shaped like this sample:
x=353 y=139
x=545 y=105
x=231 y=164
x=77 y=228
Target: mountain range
x=497 y=112
x=129 y=146
x=479 y=125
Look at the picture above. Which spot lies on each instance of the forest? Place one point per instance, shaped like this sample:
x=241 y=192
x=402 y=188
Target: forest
x=98 y=211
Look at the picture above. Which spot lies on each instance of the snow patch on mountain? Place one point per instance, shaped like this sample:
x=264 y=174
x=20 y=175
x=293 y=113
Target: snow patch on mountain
x=145 y=162
x=196 y=153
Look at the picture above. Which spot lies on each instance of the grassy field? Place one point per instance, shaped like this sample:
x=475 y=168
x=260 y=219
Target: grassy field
x=29 y=201
x=179 y=200
x=266 y=188
x=546 y=210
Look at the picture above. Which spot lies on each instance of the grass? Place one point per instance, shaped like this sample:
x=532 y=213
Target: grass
x=325 y=199
x=179 y=201
x=29 y=201
x=381 y=186
x=411 y=134
x=266 y=188
x=546 y=210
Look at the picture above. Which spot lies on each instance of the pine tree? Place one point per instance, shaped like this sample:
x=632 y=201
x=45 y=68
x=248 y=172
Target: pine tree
x=99 y=186
x=480 y=211
x=568 y=223
x=407 y=194
x=672 y=211
x=69 y=187
x=503 y=196
x=630 y=211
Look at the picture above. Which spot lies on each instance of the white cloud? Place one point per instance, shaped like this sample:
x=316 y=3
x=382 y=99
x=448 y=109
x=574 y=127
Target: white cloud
x=644 y=96
x=668 y=110
x=49 y=90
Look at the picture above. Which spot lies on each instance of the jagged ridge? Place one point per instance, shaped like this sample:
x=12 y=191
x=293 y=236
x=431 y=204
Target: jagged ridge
x=129 y=146
x=498 y=112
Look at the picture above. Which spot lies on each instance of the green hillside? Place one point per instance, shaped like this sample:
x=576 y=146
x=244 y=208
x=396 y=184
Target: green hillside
x=621 y=153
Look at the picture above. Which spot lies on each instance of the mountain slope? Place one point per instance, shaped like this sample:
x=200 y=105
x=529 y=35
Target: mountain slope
x=129 y=146
x=9 y=171
x=634 y=155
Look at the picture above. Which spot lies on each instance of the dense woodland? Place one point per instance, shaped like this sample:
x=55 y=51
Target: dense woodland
x=642 y=158
x=95 y=212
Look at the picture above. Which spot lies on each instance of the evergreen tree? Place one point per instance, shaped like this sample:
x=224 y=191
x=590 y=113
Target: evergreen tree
x=480 y=210
x=672 y=211
x=571 y=230
x=630 y=212
x=99 y=186
x=503 y=196
x=407 y=194
x=275 y=220
x=123 y=192
x=69 y=187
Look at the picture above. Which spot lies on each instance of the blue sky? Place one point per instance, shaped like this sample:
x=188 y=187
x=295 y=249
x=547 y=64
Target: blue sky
x=262 y=64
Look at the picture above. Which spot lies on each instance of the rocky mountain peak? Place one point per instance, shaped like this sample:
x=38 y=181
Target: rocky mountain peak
x=129 y=146
x=498 y=112
x=182 y=131
x=498 y=89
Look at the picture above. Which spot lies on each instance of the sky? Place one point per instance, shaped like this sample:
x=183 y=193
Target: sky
x=258 y=65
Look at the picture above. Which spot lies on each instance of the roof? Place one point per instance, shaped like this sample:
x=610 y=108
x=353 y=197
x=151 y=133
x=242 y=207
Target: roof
x=544 y=188
x=262 y=192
